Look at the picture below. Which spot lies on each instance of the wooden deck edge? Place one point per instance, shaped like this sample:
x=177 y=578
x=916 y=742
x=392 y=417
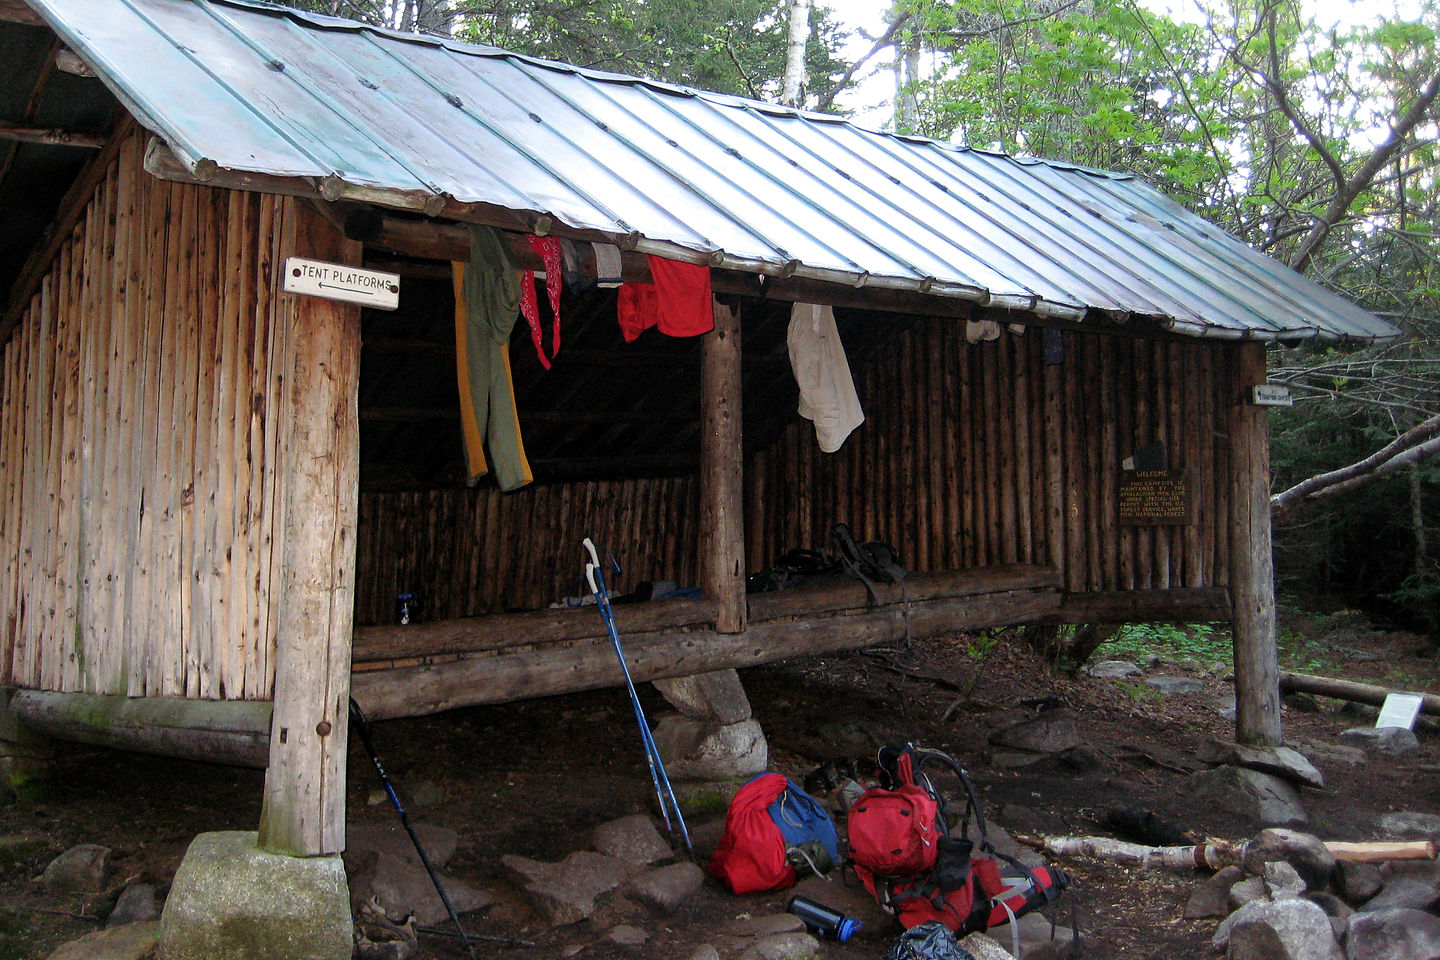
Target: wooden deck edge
x=498 y=632
x=1180 y=605
x=426 y=688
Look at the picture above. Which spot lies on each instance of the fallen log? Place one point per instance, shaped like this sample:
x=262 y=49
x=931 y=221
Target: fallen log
x=1202 y=856
x=1349 y=690
x=1380 y=851
x=1213 y=854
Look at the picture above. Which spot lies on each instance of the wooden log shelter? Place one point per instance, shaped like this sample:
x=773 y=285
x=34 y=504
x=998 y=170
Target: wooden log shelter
x=217 y=492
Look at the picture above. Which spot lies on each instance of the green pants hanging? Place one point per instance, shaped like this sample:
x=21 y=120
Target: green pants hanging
x=487 y=303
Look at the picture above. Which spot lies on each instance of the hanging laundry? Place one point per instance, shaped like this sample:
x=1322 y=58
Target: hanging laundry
x=977 y=330
x=487 y=302
x=607 y=265
x=549 y=250
x=827 y=391
x=679 y=301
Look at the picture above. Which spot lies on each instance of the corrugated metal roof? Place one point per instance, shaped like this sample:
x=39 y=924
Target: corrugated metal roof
x=402 y=119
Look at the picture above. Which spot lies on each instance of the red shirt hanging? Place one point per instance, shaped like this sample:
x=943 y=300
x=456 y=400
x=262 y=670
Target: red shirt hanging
x=679 y=301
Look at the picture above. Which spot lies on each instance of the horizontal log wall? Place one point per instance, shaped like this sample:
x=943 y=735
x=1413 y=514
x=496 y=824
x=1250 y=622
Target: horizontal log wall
x=981 y=454
x=137 y=449
x=472 y=552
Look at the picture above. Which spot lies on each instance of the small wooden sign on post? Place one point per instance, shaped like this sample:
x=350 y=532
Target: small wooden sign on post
x=335 y=281
x=1153 y=498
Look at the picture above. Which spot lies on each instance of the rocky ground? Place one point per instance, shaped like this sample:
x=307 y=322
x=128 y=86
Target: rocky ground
x=502 y=794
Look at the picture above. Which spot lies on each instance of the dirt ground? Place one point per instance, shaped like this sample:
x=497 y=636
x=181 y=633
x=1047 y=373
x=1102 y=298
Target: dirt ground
x=533 y=778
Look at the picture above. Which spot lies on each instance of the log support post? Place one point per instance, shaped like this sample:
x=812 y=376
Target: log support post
x=722 y=520
x=316 y=483
x=1252 y=571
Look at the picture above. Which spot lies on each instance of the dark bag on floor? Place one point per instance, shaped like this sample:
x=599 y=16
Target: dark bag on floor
x=901 y=848
x=795 y=568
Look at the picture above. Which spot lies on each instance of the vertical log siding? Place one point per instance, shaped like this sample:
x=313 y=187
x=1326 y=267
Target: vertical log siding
x=972 y=455
x=472 y=552
x=137 y=449
x=982 y=454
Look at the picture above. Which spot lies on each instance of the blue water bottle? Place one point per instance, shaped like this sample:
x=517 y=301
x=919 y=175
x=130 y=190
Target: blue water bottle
x=823 y=921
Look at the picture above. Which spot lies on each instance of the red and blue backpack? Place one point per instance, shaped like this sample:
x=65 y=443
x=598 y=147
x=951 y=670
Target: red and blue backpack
x=771 y=826
x=901 y=847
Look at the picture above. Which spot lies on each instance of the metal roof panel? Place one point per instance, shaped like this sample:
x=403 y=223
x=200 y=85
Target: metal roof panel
x=257 y=88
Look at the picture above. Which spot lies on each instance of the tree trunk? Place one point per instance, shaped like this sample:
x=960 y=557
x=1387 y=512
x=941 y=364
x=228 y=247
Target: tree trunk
x=793 y=91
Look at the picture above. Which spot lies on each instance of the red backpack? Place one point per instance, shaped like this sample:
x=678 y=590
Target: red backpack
x=900 y=847
x=775 y=832
x=751 y=854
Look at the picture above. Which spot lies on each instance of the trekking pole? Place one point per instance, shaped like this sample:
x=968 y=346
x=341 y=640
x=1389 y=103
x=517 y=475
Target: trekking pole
x=358 y=719
x=596 y=578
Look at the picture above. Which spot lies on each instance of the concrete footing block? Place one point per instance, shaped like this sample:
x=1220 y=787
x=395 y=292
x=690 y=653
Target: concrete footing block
x=232 y=901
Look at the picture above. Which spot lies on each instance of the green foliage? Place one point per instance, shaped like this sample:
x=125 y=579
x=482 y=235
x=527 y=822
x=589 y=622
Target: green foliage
x=1208 y=643
x=980 y=644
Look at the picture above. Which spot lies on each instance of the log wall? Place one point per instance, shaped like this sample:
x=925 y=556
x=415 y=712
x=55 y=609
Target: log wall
x=982 y=454
x=472 y=552
x=973 y=455
x=138 y=543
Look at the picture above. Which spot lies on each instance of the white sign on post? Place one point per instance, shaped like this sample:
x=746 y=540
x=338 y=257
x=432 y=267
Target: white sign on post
x=1271 y=395
x=1399 y=710
x=335 y=281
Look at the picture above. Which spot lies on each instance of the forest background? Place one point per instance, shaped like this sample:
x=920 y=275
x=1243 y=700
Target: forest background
x=1307 y=129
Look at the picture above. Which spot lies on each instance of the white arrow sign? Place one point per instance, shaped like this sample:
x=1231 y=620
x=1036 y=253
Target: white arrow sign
x=335 y=281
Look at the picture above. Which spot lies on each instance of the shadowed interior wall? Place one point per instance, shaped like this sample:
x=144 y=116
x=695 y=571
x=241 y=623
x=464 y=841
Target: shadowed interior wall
x=982 y=454
x=973 y=455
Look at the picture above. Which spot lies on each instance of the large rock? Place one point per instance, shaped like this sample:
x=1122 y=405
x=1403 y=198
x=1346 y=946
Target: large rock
x=230 y=899
x=1393 y=935
x=982 y=946
x=1305 y=852
x=1050 y=732
x=1282 y=930
x=1403 y=893
x=1334 y=752
x=632 y=838
x=1282 y=881
x=84 y=868
x=1212 y=897
x=132 y=941
x=565 y=892
x=696 y=750
x=1410 y=825
x=783 y=946
x=1281 y=761
x=1247 y=891
x=1390 y=741
x=666 y=888
x=137 y=903
x=1357 y=882
x=1174 y=686
x=1258 y=797
x=400 y=886
x=717 y=697
x=1114 y=669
